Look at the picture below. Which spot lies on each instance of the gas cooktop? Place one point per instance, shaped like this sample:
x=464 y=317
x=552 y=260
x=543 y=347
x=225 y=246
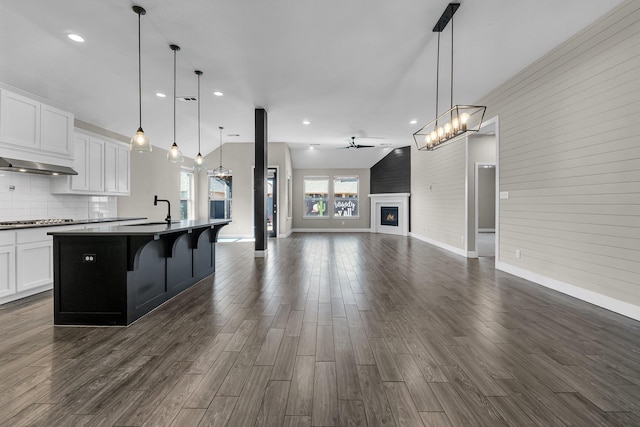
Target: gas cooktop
x=36 y=222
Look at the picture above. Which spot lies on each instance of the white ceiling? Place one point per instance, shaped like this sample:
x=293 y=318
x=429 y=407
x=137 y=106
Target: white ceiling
x=361 y=68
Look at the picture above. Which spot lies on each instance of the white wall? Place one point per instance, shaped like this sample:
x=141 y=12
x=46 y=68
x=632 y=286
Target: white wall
x=331 y=223
x=438 y=196
x=152 y=174
x=570 y=159
x=569 y=156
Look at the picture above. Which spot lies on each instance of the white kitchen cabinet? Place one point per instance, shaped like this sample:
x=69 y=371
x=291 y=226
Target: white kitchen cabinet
x=56 y=130
x=32 y=127
x=80 y=182
x=34 y=265
x=110 y=167
x=19 y=120
x=116 y=168
x=101 y=165
x=34 y=259
x=124 y=169
x=95 y=165
x=7 y=263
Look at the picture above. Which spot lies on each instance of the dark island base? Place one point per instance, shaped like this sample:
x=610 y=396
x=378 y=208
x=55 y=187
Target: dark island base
x=116 y=279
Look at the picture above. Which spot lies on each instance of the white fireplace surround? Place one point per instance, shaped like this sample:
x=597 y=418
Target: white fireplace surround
x=399 y=200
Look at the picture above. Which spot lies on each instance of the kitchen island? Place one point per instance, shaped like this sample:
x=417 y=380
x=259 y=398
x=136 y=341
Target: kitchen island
x=115 y=275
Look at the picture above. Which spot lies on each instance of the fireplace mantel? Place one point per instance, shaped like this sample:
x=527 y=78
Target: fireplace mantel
x=399 y=200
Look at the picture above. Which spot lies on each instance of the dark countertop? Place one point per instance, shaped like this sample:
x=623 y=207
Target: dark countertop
x=75 y=222
x=149 y=228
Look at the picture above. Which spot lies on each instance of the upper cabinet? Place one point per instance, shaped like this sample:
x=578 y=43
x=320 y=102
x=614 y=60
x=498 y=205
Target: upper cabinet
x=31 y=127
x=102 y=165
x=56 y=130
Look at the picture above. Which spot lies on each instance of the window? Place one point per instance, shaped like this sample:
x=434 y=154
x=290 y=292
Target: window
x=345 y=196
x=220 y=197
x=316 y=196
x=186 y=194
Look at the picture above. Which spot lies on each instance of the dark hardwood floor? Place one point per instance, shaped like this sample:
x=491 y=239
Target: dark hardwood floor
x=330 y=329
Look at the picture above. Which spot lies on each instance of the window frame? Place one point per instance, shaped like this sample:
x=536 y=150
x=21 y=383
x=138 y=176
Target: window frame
x=305 y=201
x=190 y=205
x=228 y=199
x=338 y=178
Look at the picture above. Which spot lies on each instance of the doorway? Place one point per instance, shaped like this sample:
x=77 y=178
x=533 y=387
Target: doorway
x=272 y=204
x=485 y=209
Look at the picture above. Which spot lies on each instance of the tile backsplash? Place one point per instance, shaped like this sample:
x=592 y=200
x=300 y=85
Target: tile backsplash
x=27 y=196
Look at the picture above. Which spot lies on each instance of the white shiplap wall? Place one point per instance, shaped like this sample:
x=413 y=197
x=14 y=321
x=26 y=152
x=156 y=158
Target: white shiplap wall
x=438 y=196
x=569 y=157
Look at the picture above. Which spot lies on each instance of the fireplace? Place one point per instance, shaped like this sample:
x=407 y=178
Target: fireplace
x=389 y=215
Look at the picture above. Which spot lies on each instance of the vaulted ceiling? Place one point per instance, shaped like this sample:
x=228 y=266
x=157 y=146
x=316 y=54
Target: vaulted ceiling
x=351 y=68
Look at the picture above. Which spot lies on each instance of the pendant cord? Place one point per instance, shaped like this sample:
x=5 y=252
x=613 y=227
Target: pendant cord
x=437 y=77
x=174 y=95
x=139 y=76
x=451 y=99
x=221 y=146
x=198 y=74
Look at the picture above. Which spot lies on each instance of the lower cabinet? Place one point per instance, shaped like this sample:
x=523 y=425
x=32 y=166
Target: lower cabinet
x=34 y=265
x=7 y=271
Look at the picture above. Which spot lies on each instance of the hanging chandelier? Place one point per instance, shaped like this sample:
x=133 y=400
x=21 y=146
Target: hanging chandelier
x=460 y=120
x=221 y=171
x=174 y=155
x=198 y=164
x=139 y=141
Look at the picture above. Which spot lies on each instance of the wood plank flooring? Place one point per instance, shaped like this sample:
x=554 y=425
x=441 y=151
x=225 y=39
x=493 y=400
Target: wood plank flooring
x=330 y=329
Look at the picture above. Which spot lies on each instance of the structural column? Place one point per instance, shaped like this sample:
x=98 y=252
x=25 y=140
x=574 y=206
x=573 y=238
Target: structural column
x=260 y=184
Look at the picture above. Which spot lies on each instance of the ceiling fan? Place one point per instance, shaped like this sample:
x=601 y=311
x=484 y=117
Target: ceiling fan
x=352 y=144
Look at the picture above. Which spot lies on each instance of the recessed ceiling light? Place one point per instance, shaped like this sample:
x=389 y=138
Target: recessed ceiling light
x=218 y=93
x=413 y=122
x=161 y=95
x=76 y=37
x=306 y=122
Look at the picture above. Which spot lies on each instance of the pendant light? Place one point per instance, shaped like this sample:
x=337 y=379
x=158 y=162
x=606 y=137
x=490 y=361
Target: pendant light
x=199 y=164
x=460 y=120
x=139 y=141
x=174 y=155
x=221 y=171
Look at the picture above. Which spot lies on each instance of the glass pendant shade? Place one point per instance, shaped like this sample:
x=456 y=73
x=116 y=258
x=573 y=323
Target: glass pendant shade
x=199 y=164
x=139 y=141
x=175 y=155
x=221 y=171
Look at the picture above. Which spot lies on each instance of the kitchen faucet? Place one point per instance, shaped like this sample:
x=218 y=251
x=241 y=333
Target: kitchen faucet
x=155 y=203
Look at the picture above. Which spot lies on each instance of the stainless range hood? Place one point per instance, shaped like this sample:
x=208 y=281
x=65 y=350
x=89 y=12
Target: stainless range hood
x=15 y=165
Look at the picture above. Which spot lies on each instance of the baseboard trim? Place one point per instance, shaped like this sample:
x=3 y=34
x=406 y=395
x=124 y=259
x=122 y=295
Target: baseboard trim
x=26 y=293
x=331 y=230
x=441 y=245
x=624 y=308
x=260 y=254
x=284 y=236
